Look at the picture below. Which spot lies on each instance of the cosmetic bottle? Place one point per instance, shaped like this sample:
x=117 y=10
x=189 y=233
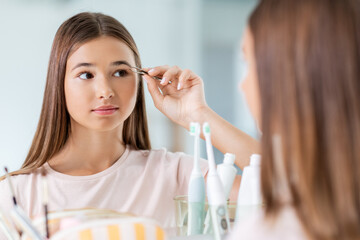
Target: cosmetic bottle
x=249 y=198
x=227 y=173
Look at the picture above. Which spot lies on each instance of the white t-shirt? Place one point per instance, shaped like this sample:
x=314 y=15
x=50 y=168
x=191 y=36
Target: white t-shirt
x=142 y=182
x=285 y=227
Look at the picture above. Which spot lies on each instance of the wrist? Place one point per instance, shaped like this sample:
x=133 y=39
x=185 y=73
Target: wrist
x=200 y=115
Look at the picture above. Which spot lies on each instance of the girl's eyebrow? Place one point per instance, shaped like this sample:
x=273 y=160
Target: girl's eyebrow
x=116 y=63
x=121 y=62
x=82 y=65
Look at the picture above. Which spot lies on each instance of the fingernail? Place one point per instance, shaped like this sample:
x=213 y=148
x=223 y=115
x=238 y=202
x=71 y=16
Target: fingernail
x=163 y=81
x=179 y=86
x=151 y=70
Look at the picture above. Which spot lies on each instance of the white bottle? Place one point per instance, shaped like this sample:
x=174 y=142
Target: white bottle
x=249 y=198
x=227 y=173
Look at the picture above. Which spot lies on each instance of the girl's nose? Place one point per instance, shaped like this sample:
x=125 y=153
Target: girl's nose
x=104 y=90
x=106 y=95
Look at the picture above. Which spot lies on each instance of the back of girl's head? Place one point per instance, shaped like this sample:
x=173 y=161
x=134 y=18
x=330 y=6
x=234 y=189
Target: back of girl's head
x=54 y=124
x=308 y=63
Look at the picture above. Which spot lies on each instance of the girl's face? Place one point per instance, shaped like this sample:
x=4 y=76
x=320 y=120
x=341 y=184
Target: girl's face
x=250 y=85
x=100 y=88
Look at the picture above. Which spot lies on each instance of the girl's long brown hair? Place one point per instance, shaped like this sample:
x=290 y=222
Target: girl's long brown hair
x=54 y=124
x=308 y=64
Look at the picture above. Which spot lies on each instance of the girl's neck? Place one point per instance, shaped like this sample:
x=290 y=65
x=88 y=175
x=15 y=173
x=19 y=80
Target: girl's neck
x=87 y=152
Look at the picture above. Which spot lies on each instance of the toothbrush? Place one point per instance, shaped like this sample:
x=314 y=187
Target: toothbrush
x=10 y=185
x=19 y=216
x=7 y=227
x=216 y=196
x=45 y=201
x=8 y=232
x=12 y=192
x=196 y=191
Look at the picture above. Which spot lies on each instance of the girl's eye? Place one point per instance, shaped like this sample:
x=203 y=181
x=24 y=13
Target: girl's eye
x=120 y=73
x=86 y=75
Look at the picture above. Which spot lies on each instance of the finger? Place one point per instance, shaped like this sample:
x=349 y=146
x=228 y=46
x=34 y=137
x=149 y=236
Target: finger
x=185 y=76
x=157 y=71
x=188 y=79
x=171 y=74
x=168 y=74
x=154 y=91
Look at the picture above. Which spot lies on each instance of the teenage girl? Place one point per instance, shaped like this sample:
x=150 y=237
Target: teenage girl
x=92 y=137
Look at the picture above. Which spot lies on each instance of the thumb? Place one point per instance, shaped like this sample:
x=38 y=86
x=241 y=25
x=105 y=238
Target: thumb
x=154 y=91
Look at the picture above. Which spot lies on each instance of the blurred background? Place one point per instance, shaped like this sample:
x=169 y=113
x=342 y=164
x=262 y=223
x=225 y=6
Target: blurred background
x=202 y=35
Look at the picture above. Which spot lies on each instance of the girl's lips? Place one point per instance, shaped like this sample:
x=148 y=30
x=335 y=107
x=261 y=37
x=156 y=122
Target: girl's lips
x=105 y=111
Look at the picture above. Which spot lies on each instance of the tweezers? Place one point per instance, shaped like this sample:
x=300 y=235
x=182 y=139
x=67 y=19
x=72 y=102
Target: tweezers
x=142 y=72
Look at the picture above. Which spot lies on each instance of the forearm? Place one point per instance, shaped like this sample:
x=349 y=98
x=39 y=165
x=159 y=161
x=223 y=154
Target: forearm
x=226 y=137
x=188 y=105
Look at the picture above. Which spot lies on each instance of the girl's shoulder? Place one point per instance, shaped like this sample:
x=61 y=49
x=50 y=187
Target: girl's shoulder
x=160 y=155
x=21 y=183
x=18 y=179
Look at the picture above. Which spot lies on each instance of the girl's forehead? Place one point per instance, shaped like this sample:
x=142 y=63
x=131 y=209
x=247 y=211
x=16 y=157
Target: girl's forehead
x=104 y=49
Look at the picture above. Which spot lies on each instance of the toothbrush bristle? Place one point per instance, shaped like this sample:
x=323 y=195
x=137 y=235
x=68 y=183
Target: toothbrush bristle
x=206 y=128
x=192 y=128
